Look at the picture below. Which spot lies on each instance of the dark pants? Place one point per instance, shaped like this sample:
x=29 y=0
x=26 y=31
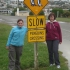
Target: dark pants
x=14 y=57
x=53 y=51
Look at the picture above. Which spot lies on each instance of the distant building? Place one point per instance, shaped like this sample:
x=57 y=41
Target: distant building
x=5 y=11
x=1 y=0
x=22 y=13
x=13 y=3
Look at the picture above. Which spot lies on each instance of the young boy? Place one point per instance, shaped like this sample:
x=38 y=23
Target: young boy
x=15 y=44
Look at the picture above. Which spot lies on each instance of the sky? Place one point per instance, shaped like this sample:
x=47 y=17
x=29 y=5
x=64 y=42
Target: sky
x=48 y=0
x=54 y=0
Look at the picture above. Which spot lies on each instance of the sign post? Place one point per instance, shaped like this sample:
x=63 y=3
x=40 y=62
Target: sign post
x=36 y=24
x=35 y=56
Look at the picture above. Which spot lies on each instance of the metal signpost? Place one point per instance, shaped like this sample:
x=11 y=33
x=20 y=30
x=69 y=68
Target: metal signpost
x=36 y=25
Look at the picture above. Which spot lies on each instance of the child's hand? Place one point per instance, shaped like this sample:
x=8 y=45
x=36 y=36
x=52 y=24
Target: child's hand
x=7 y=47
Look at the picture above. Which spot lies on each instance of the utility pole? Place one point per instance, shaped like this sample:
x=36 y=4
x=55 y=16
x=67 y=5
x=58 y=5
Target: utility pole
x=7 y=6
x=57 y=14
x=17 y=7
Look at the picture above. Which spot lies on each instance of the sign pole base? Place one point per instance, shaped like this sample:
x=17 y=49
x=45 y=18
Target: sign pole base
x=35 y=56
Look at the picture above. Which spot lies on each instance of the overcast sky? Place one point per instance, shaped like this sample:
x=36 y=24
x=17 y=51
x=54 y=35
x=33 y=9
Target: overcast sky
x=48 y=0
x=54 y=0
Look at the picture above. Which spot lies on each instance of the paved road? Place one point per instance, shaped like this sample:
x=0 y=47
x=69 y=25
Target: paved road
x=64 y=47
x=12 y=20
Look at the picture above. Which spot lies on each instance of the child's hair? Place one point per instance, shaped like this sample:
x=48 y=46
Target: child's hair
x=51 y=14
x=19 y=20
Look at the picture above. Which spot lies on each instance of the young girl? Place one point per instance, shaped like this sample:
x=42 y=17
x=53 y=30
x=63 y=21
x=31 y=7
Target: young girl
x=15 y=44
x=53 y=39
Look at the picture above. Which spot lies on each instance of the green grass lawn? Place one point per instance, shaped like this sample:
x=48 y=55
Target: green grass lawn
x=63 y=19
x=27 y=59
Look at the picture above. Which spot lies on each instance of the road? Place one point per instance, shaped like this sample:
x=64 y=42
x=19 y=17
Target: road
x=11 y=20
x=65 y=46
x=65 y=27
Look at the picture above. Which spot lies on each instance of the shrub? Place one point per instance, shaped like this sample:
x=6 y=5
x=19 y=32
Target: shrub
x=58 y=10
x=66 y=14
x=41 y=13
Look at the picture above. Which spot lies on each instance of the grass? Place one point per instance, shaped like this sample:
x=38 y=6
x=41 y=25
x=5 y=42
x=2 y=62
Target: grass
x=63 y=19
x=27 y=59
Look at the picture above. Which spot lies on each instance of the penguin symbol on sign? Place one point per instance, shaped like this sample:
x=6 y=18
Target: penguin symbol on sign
x=39 y=3
x=33 y=3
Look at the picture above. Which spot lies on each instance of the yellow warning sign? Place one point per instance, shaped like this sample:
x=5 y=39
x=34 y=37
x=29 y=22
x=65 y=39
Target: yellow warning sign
x=36 y=35
x=36 y=21
x=36 y=5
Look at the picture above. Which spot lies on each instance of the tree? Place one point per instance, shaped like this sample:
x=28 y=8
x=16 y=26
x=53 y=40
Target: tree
x=15 y=9
x=25 y=6
x=58 y=11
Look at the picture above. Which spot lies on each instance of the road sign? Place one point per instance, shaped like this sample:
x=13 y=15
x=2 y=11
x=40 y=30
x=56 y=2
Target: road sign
x=36 y=21
x=36 y=5
x=36 y=35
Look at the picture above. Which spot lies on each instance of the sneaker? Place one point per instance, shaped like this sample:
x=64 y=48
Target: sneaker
x=58 y=66
x=52 y=64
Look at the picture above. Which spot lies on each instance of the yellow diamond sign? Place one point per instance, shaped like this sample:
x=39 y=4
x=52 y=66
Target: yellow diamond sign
x=36 y=5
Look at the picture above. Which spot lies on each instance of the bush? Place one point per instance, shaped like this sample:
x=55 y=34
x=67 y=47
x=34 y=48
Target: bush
x=31 y=13
x=15 y=9
x=41 y=13
x=59 y=10
x=12 y=14
x=66 y=14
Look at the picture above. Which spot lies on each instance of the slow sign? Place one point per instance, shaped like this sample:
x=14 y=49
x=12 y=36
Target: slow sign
x=36 y=21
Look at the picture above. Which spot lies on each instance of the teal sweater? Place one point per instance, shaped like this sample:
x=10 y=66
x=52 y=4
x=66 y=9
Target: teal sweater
x=16 y=36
